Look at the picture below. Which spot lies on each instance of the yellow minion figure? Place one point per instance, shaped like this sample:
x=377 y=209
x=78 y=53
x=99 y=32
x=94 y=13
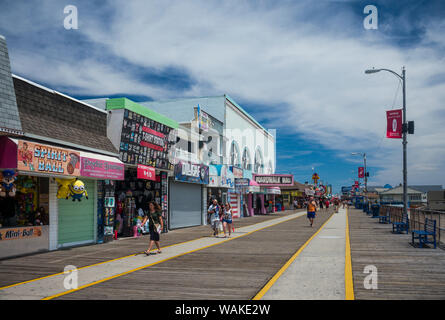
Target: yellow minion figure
x=77 y=190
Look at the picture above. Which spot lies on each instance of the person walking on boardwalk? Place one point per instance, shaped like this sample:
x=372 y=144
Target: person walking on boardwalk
x=156 y=225
x=336 y=205
x=227 y=220
x=214 y=211
x=321 y=204
x=311 y=209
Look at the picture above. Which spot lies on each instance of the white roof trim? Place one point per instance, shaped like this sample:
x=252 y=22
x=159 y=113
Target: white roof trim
x=56 y=92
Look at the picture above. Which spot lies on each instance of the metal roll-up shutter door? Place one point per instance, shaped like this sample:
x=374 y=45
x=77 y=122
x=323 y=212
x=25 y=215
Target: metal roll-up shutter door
x=185 y=205
x=76 y=219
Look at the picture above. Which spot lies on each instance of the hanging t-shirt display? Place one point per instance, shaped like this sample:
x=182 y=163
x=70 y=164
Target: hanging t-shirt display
x=146 y=142
x=133 y=196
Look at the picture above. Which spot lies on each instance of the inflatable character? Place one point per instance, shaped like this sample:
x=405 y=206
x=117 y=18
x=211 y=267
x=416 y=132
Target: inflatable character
x=77 y=190
x=63 y=192
x=7 y=186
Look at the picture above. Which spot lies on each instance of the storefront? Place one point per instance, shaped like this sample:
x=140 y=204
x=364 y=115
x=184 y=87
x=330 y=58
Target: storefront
x=144 y=139
x=271 y=193
x=235 y=194
x=24 y=206
x=254 y=196
x=47 y=191
x=221 y=183
x=186 y=194
x=270 y=184
x=108 y=171
x=242 y=189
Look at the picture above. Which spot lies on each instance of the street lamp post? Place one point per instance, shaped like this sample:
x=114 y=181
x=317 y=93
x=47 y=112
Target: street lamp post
x=364 y=160
x=404 y=132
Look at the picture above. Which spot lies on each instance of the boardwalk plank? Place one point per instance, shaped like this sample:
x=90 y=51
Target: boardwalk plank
x=404 y=272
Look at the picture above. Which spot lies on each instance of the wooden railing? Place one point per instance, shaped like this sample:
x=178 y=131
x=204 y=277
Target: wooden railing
x=417 y=219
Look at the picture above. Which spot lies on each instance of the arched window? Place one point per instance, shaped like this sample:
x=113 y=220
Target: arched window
x=258 y=164
x=269 y=167
x=246 y=162
x=234 y=155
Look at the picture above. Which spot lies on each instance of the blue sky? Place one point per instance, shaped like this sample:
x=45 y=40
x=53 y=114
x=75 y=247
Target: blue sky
x=296 y=66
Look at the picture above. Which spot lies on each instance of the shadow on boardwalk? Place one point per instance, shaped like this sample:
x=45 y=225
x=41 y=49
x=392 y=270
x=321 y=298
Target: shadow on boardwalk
x=404 y=272
x=33 y=266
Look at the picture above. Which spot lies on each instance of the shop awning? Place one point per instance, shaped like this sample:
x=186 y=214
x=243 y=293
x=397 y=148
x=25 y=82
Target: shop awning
x=273 y=190
x=254 y=187
x=98 y=166
x=8 y=153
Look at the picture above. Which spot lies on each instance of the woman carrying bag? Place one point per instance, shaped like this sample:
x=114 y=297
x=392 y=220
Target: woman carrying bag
x=156 y=224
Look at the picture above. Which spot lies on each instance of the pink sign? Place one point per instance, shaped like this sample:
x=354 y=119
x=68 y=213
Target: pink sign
x=101 y=169
x=146 y=172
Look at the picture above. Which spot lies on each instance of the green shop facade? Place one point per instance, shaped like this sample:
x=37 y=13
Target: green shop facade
x=145 y=140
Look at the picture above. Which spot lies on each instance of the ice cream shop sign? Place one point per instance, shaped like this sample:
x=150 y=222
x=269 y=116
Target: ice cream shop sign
x=42 y=158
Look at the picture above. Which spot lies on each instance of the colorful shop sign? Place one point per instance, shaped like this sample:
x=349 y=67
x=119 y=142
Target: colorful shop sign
x=213 y=176
x=145 y=141
x=237 y=172
x=101 y=169
x=241 y=182
x=20 y=233
x=146 y=172
x=190 y=172
x=41 y=158
x=274 y=180
x=227 y=179
x=203 y=119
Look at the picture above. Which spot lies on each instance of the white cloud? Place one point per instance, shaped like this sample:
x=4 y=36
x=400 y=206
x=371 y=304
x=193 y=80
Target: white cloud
x=276 y=55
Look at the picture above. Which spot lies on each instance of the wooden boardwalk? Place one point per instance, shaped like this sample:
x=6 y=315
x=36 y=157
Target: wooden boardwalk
x=236 y=269
x=42 y=264
x=404 y=272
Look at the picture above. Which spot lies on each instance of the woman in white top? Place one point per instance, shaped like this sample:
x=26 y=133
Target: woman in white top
x=227 y=219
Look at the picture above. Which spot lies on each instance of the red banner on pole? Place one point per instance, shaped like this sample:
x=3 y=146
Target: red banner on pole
x=356 y=185
x=361 y=172
x=394 y=124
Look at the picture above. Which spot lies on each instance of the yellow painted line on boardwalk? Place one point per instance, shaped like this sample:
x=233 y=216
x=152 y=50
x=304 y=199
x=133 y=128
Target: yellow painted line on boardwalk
x=92 y=265
x=274 y=279
x=349 y=283
x=155 y=263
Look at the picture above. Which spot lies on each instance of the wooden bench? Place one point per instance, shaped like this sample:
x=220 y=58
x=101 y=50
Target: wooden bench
x=422 y=235
x=399 y=227
x=386 y=218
